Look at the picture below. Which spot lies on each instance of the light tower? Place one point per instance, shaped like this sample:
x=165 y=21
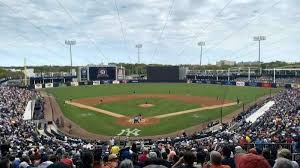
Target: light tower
x=70 y=43
x=25 y=72
x=139 y=46
x=259 y=38
x=201 y=43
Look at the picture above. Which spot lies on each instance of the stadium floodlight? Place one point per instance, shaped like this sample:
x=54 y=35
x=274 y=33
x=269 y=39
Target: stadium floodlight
x=259 y=38
x=139 y=46
x=201 y=43
x=70 y=43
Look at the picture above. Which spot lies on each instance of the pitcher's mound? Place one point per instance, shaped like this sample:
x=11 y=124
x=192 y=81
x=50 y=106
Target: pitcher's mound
x=146 y=105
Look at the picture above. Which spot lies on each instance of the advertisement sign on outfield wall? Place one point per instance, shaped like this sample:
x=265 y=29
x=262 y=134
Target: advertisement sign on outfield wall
x=267 y=85
x=88 y=82
x=38 y=86
x=48 y=85
x=254 y=84
x=106 y=82
x=239 y=83
x=74 y=83
x=295 y=86
x=133 y=81
x=123 y=81
x=81 y=83
x=116 y=82
x=280 y=84
x=227 y=83
x=96 y=82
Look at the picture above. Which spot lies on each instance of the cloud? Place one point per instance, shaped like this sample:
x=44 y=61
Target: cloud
x=37 y=30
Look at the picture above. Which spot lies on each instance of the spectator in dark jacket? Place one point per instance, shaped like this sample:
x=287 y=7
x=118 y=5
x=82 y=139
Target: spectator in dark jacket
x=227 y=160
x=267 y=155
x=187 y=161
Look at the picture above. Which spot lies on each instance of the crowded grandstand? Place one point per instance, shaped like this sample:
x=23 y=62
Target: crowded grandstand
x=247 y=139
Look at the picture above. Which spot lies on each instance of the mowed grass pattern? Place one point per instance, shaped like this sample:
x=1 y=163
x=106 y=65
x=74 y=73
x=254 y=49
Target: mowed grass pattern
x=161 y=106
x=106 y=125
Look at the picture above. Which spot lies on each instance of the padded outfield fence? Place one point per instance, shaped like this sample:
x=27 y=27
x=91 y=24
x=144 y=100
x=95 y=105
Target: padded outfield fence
x=231 y=83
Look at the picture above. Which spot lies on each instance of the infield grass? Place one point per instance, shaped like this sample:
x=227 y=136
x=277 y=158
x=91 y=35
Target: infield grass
x=160 y=106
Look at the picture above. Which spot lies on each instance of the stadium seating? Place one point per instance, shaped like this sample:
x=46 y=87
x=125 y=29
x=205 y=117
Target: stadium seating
x=274 y=135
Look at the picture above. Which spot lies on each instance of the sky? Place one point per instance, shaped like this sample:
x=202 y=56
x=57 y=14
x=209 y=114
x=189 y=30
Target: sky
x=108 y=31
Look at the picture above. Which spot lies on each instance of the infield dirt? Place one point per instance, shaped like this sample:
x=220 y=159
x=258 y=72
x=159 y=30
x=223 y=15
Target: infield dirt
x=201 y=100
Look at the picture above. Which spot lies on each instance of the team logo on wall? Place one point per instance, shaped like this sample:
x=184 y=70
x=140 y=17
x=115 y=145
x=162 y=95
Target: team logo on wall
x=102 y=73
x=83 y=72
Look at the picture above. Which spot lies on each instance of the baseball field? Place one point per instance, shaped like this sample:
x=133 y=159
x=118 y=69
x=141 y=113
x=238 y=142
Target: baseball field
x=164 y=108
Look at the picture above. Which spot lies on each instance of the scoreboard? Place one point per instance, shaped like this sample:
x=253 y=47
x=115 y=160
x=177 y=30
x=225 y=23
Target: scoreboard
x=163 y=73
x=97 y=73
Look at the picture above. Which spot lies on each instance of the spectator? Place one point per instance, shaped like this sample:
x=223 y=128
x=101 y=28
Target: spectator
x=200 y=156
x=97 y=158
x=126 y=164
x=215 y=161
x=277 y=125
x=285 y=153
x=227 y=160
x=112 y=161
x=171 y=156
x=283 y=163
x=144 y=156
x=187 y=161
x=135 y=161
x=67 y=160
x=267 y=155
x=251 y=161
x=44 y=161
x=87 y=159
x=17 y=161
x=25 y=162
x=4 y=163
x=58 y=165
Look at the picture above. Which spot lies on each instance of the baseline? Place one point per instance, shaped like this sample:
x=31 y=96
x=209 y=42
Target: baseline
x=194 y=110
x=95 y=109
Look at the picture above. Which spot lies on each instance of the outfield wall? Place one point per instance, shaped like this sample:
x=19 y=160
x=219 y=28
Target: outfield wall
x=229 y=83
x=238 y=83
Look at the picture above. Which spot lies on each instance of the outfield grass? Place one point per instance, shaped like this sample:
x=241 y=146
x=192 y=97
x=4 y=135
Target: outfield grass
x=106 y=125
x=161 y=106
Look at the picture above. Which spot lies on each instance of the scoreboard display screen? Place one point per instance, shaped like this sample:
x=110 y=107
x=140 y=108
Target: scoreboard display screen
x=102 y=73
x=163 y=74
